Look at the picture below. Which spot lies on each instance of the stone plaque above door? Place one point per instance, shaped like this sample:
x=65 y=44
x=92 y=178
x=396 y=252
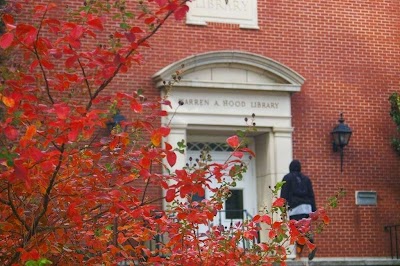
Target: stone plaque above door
x=242 y=12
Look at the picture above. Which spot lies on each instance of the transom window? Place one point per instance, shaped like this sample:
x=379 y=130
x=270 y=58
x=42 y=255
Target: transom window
x=208 y=146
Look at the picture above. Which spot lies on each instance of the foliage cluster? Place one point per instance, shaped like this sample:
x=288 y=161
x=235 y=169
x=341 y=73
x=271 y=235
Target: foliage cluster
x=69 y=194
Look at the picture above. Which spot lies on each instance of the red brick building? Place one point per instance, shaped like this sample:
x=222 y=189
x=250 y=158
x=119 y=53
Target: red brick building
x=297 y=65
x=348 y=54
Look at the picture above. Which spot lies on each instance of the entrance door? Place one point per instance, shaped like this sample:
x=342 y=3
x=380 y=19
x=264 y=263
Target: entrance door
x=242 y=204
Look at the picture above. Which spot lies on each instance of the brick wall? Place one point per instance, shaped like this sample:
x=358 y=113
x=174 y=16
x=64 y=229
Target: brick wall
x=349 y=53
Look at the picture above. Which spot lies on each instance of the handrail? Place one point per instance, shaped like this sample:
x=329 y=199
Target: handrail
x=159 y=238
x=394 y=247
x=247 y=216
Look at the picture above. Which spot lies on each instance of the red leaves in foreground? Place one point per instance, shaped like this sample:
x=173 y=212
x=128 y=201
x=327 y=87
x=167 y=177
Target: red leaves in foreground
x=180 y=12
x=233 y=141
x=171 y=155
x=6 y=40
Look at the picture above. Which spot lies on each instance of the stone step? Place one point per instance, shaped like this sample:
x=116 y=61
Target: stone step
x=344 y=262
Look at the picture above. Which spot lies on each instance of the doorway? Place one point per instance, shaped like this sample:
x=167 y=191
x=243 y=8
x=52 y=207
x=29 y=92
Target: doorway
x=242 y=203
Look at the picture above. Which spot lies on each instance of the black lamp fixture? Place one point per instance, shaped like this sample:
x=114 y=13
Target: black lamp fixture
x=341 y=136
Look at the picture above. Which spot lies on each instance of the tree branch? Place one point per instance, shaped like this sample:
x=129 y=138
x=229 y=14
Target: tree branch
x=140 y=41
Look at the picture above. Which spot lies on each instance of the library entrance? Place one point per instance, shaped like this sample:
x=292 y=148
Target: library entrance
x=218 y=91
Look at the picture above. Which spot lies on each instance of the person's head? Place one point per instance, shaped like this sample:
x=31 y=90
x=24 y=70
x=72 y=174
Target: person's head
x=295 y=166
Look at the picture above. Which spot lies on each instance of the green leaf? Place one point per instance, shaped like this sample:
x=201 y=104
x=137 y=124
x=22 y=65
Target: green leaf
x=124 y=26
x=241 y=133
x=109 y=167
x=8 y=156
x=279 y=185
x=109 y=227
x=44 y=261
x=129 y=15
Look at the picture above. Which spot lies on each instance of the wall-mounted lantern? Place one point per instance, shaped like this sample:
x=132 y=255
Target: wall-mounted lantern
x=341 y=136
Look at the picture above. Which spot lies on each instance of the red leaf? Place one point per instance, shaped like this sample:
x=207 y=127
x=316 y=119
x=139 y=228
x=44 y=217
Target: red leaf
x=96 y=24
x=30 y=132
x=272 y=234
x=8 y=19
x=40 y=8
x=170 y=195
x=56 y=53
x=249 y=151
x=73 y=133
x=156 y=138
x=266 y=219
x=310 y=245
x=238 y=154
x=74 y=43
x=149 y=20
x=326 y=219
x=77 y=32
x=47 y=64
x=6 y=40
x=180 y=13
x=115 y=193
x=26 y=33
x=109 y=72
x=20 y=171
x=233 y=141
x=181 y=174
x=145 y=163
x=144 y=173
x=71 y=211
x=279 y=202
x=11 y=133
x=136 y=106
x=263 y=246
x=185 y=190
x=62 y=110
x=168 y=146
x=164 y=131
x=7 y=101
x=35 y=154
x=34 y=64
x=161 y=2
x=70 y=61
x=130 y=36
x=171 y=158
x=172 y=6
x=136 y=30
x=31 y=255
x=257 y=218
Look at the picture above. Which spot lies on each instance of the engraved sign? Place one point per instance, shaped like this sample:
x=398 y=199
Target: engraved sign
x=242 y=12
x=229 y=102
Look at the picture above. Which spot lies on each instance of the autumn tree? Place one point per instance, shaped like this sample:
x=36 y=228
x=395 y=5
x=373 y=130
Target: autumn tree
x=74 y=192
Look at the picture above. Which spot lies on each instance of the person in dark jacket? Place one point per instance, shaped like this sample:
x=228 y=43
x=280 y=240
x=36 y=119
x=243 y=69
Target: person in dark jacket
x=299 y=195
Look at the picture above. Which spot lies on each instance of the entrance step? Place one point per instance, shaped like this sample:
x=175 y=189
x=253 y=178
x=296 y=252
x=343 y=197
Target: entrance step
x=344 y=262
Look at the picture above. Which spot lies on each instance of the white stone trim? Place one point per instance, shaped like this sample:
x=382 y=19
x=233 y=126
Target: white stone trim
x=240 y=59
x=241 y=12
